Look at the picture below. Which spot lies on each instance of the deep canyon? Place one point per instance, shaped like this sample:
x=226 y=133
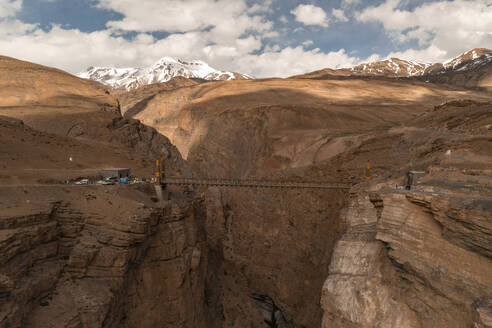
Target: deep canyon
x=377 y=254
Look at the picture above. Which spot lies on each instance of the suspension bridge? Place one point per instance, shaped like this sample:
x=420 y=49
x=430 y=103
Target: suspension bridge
x=250 y=184
x=162 y=180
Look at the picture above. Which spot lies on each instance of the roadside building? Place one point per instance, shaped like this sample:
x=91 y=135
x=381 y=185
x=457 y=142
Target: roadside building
x=116 y=173
x=413 y=177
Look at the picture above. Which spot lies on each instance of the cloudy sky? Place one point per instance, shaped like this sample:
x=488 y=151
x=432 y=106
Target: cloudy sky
x=261 y=38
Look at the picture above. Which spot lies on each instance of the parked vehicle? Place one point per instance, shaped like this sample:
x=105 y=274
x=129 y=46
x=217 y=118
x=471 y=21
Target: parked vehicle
x=137 y=181
x=124 y=181
x=111 y=180
x=82 y=182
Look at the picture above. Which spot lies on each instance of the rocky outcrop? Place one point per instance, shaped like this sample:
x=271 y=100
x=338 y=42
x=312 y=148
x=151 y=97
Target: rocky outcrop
x=358 y=291
x=64 y=265
x=167 y=289
x=146 y=142
x=28 y=263
x=412 y=259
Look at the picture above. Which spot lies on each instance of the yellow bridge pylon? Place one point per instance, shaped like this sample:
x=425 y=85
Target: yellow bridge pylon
x=160 y=171
x=368 y=171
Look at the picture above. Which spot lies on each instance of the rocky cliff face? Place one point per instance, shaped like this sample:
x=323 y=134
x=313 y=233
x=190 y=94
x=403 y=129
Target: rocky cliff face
x=129 y=265
x=421 y=257
x=276 y=251
x=279 y=246
x=358 y=291
x=417 y=259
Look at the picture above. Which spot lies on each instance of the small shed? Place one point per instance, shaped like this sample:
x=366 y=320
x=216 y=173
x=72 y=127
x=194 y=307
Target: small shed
x=413 y=178
x=116 y=173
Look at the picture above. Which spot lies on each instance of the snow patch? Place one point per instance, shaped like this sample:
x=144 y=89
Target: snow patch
x=163 y=70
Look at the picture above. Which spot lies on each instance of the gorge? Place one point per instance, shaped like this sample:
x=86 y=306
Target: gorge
x=377 y=255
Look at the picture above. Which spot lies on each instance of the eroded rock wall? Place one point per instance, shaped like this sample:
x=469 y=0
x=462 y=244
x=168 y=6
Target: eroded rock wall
x=167 y=288
x=416 y=258
x=126 y=264
x=274 y=245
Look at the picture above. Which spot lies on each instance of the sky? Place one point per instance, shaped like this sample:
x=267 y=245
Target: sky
x=262 y=38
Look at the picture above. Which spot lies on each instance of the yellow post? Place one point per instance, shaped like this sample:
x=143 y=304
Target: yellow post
x=157 y=172
x=368 y=171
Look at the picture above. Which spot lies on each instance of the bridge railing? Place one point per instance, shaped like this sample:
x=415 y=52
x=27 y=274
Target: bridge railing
x=253 y=183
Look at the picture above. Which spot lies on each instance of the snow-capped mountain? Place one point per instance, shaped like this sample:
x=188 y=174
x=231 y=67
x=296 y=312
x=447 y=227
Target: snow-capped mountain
x=469 y=60
x=395 y=67
x=471 y=69
x=162 y=71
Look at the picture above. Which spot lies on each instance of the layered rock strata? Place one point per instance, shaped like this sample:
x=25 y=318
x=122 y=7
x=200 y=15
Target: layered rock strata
x=412 y=259
x=65 y=265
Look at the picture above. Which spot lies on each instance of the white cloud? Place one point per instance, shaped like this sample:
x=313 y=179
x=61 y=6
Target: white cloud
x=264 y=6
x=372 y=58
x=182 y=15
x=422 y=55
x=222 y=28
x=292 y=61
x=216 y=31
x=73 y=50
x=308 y=43
x=310 y=15
x=13 y=28
x=348 y=3
x=227 y=38
x=339 y=14
x=443 y=29
x=9 y=8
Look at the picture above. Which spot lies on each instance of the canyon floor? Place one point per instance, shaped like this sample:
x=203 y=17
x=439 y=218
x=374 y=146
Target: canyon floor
x=377 y=255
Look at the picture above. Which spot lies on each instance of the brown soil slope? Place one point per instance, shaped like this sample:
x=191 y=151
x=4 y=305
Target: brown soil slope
x=282 y=123
x=75 y=256
x=129 y=99
x=65 y=117
x=28 y=156
x=275 y=242
x=53 y=101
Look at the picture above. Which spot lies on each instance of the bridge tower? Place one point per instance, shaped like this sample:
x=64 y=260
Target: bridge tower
x=160 y=171
x=368 y=171
x=160 y=177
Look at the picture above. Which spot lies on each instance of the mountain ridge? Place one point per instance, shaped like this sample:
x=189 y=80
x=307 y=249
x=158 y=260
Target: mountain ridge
x=453 y=71
x=161 y=71
x=400 y=68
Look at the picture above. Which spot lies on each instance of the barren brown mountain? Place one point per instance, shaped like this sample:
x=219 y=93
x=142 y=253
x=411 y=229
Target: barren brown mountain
x=472 y=69
x=317 y=130
x=377 y=255
x=289 y=122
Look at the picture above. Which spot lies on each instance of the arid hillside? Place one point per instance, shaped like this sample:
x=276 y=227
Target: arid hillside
x=53 y=113
x=37 y=94
x=129 y=99
x=381 y=252
x=282 y=123
x=426 y=263
x=279 y=243
x=76 y=255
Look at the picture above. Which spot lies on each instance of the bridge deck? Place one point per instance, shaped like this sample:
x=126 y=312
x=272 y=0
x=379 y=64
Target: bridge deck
x=252 y=184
